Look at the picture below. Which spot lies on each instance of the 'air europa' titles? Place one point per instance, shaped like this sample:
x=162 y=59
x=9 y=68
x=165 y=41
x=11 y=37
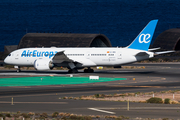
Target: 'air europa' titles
x=35 y=53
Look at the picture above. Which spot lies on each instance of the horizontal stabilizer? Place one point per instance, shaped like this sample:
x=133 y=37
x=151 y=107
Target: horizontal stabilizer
x=153 y=49
x=164 y=52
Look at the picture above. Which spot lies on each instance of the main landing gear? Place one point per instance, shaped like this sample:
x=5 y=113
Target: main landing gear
x=89 y=70
x=72 y=71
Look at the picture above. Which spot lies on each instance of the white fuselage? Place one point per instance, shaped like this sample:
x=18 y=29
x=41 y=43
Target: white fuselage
x=86 y=56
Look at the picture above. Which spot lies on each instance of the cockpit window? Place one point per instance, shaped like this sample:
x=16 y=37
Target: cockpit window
x=9 y=55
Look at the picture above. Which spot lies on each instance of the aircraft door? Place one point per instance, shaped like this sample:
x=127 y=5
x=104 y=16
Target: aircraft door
x=119 y=55
x=112 y=57
x=17 y=56
x=88 y=55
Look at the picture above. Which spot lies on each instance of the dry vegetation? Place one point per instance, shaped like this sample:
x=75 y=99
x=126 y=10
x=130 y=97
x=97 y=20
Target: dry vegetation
x=133 y=97
x=64 y=116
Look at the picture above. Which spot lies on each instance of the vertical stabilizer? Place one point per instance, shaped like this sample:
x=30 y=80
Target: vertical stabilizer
x=143 y=40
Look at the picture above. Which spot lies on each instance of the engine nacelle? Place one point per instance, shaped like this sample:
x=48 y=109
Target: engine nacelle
x=43 y=64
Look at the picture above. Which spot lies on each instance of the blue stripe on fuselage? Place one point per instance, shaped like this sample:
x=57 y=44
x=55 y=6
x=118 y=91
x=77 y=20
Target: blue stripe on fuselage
x=36 y=53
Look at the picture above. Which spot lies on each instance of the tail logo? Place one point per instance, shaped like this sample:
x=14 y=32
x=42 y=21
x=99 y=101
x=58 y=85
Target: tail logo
x=143 y=38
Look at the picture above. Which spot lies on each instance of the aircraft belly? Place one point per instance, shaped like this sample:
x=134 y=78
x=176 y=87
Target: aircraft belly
x=25 y=62
x=105 y=61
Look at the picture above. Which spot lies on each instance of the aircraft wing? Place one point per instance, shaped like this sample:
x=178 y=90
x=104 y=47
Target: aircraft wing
x=84 y=62
x=61 y=57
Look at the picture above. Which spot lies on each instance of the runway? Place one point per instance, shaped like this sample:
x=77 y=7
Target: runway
x=154 y=77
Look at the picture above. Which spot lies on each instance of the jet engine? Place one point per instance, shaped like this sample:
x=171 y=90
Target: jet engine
x=43 y=64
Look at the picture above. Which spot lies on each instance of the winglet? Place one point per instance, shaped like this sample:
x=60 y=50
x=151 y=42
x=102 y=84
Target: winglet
x=143 y=40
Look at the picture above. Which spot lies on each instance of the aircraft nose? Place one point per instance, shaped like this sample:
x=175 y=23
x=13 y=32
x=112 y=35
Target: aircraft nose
x=6 y=60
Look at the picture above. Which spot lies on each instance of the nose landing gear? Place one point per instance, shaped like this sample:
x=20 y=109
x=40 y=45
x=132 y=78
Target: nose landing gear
x=18 y=68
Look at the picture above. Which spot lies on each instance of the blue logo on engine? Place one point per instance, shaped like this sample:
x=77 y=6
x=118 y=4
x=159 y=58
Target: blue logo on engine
x=36 y=53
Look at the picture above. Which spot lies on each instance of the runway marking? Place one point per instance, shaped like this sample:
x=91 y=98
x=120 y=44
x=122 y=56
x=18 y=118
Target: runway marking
x=144 y=108
x=102 y=111
x=120 y=71
x=35 y=102
x=137 y=86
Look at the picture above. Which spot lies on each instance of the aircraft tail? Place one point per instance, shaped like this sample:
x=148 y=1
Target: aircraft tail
x=143 y=40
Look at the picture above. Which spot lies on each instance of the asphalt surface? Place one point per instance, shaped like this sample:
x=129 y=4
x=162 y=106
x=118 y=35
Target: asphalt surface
x=154 y=77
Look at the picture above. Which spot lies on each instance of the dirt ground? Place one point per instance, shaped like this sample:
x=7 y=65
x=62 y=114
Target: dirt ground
x=174 y=96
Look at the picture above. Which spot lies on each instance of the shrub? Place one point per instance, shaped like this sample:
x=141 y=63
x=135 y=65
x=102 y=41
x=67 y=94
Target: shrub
x=42 y=118
x=25 y=115
x=100 y=95
x=96 y=95
x=118 y=118
x=175 y=102
x=103 y=95
x=31 y=113
x=67 y=114
x=64 y=98
x=154 y=100
x=16 y=115
x=37 y=114
x=73 y=117
x=55 y=114
x=123 y=117
x=165 y=119
x=44 y=115
x=81 y=118
x=167 y=101
x=1 y=115
x=8 y=115
x=18 y=112
x=61 y=114
x=63 y=118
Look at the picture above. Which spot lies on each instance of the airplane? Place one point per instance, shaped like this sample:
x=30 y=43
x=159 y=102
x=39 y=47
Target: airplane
x=78 y=58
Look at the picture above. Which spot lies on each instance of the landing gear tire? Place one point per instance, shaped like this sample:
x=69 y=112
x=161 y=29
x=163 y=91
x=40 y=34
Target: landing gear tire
x=72 y=71
x=18 y=70
x=85 y=70
x=91 y=70
x=88 y=70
